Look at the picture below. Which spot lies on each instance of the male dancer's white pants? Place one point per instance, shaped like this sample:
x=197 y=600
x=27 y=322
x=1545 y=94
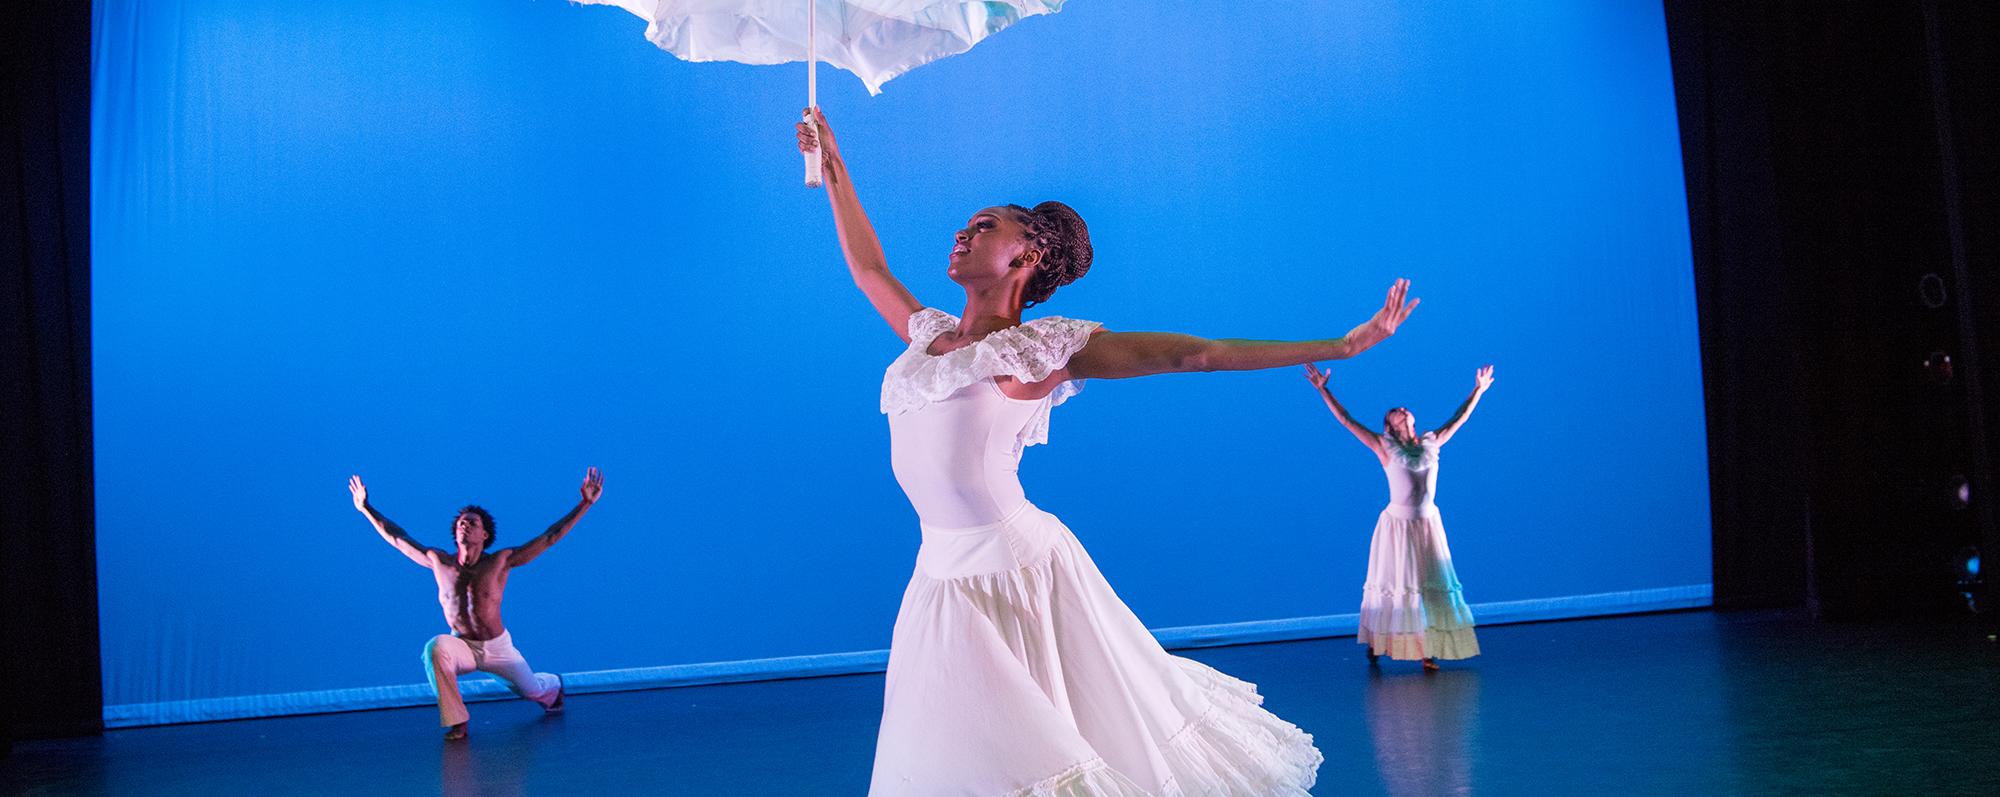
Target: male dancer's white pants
x=446 y=657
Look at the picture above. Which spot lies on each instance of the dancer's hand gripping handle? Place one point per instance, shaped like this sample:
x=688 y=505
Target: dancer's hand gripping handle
x=812 y=153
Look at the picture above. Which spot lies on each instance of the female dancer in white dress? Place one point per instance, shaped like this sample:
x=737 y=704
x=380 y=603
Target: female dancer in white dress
x=1411 y=605
x=1014 y=669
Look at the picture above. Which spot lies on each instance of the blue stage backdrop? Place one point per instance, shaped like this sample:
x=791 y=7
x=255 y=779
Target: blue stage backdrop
x=468 y=249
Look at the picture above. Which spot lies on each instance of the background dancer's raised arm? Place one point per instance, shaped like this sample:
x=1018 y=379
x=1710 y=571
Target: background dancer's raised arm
x=1481 y=380
x=392 y=533
x=593 y=486
x=1367 y=436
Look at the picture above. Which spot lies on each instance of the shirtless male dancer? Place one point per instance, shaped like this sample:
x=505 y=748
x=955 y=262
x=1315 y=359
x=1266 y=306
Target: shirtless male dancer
x=470 y=583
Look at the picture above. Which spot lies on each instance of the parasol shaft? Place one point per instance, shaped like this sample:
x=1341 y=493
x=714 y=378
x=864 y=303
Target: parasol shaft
x=812 y=87
x=812 y=53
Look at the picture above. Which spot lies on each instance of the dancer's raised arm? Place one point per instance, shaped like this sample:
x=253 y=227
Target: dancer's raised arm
x=1480 y=382
x=1121 y=355
x=1366 y=435
x=865 y=261
x=593 y=488
x=391 y=533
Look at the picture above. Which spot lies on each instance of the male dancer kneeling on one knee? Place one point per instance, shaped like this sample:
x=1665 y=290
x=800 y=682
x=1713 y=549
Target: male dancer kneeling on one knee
x=470 y=584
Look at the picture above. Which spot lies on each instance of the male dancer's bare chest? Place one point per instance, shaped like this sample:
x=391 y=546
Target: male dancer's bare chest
x=473 y=590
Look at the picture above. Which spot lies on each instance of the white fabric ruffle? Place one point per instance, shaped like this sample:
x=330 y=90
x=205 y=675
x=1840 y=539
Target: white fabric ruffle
x=1092 y=778
x=1029 y=352
x=1237 y=748
x=1412 y=606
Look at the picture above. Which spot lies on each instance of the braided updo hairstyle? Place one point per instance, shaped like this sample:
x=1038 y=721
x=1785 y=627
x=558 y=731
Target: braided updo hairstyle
x=1065 y=243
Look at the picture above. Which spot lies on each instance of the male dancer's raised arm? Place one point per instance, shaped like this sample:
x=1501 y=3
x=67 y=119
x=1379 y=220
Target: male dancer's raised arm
x=391 y=533
x=593 y=487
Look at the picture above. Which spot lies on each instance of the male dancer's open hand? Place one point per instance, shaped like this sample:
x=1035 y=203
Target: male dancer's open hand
x=360 y=492
x=593 y=486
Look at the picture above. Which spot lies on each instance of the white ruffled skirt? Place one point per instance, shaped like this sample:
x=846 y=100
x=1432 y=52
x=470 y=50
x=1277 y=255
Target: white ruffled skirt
x=1015 y=670
x=1411 y=605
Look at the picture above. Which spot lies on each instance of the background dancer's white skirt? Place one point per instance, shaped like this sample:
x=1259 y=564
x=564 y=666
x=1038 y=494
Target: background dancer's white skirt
x=1411 y=605
x=1015 y=670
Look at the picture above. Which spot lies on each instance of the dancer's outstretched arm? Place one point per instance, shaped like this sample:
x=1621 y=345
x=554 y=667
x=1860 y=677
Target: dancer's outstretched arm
x=391 y=533
x=1480 y=382
x=1366 y=435
x=1121 y=355
x=593 y=488
x=865 y=261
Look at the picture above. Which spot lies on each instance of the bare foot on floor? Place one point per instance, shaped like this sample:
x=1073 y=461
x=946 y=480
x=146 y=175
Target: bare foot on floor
x=562 y=691
x=455 y=733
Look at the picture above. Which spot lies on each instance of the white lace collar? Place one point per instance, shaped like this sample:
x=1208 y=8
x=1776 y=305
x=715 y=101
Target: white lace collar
x=1029 y=352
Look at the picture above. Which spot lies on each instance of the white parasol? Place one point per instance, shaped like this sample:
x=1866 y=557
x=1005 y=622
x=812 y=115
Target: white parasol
x=874 y=39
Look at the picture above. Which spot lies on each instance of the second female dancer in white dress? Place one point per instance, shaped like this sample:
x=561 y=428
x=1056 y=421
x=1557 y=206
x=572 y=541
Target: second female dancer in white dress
x=1014 y=669
x=1412 y=607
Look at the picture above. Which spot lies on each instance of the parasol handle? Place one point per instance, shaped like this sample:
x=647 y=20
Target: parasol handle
x=812 y=157
x=812 y=88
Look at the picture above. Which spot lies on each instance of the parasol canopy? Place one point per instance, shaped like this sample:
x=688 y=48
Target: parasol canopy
x=874 y=39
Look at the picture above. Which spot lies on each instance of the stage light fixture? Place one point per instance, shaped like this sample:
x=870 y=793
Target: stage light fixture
x=1965 y=567
x=1938 y=368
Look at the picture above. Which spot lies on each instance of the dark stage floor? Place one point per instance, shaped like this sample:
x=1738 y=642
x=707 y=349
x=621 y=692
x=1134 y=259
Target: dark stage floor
x=1693 y=703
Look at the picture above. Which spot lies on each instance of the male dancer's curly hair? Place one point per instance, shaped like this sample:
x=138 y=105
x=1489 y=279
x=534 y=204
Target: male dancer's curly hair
x=1058 y=231
x=485 y=518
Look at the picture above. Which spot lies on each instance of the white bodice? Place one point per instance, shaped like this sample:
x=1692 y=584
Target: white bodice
x=955 y=440
x=1412 y=471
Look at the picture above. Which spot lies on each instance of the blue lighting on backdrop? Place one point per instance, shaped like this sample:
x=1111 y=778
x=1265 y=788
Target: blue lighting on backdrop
x=468 y=249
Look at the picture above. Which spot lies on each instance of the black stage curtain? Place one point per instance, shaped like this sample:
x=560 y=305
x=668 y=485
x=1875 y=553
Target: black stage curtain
x=48 y=564
x=1840 y=157
x=1750 y=337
